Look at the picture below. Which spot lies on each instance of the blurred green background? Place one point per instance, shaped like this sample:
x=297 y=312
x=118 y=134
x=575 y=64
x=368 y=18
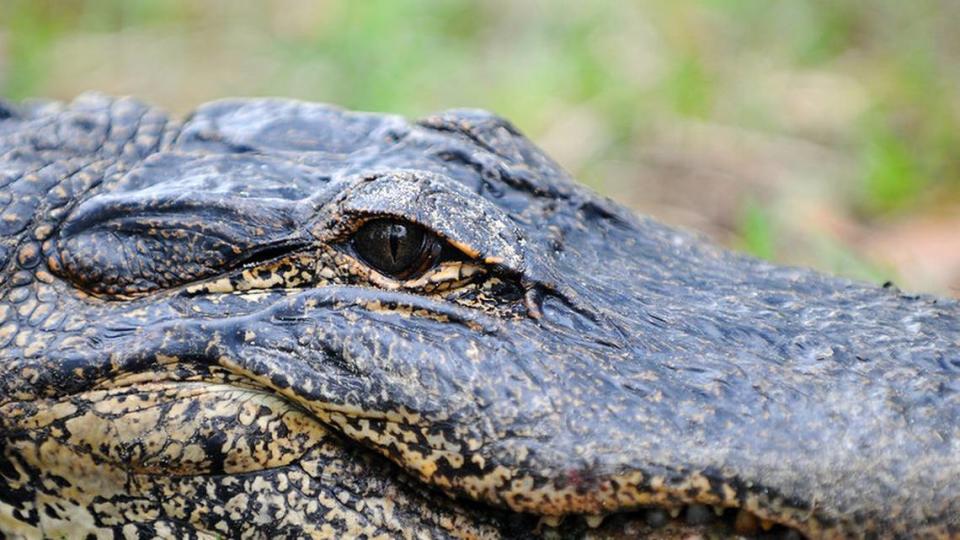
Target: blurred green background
x=814 y=132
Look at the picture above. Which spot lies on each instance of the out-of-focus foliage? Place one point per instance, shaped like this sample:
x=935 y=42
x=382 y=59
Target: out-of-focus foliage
x=816 y=132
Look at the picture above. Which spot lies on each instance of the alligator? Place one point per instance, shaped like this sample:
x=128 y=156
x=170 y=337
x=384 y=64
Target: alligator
x=275 y=318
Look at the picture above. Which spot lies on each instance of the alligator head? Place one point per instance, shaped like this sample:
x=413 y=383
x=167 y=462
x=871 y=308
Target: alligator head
x=281 y=318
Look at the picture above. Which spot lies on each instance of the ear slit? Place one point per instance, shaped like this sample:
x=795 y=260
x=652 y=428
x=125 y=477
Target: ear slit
x=270 y=252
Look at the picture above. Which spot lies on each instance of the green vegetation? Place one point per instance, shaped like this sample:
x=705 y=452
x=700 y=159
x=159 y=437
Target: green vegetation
x=622 y=93
x=757 y=232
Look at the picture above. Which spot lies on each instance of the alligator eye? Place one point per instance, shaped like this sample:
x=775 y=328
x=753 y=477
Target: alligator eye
x=399 y=249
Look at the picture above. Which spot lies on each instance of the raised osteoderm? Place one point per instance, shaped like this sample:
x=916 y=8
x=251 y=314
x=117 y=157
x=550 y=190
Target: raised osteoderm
x=278 y=318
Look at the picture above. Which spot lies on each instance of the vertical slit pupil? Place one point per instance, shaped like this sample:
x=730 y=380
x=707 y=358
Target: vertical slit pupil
x=397 y=233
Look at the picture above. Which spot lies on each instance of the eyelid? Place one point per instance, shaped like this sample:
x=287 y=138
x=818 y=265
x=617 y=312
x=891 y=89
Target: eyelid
x=432 y=200
x=445 y=275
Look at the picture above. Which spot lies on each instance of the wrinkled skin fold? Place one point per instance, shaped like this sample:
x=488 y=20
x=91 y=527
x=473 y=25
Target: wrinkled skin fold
x=191 y=346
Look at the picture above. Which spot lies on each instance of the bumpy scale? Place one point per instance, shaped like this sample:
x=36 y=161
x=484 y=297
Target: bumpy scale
x=279 y=318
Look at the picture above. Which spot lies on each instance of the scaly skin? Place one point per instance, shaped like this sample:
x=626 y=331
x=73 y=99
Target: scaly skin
x=191 y=345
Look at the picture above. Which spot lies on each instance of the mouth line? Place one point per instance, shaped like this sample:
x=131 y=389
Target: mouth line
x=653 y=521
x=686 y=521
x=665 y=514
x=647 y=520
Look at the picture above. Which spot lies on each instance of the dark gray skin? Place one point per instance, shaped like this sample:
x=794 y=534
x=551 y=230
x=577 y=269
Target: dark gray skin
x=594 y=362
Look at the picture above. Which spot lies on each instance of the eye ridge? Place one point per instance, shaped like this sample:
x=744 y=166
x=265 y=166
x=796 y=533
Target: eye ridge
x=397 y=248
